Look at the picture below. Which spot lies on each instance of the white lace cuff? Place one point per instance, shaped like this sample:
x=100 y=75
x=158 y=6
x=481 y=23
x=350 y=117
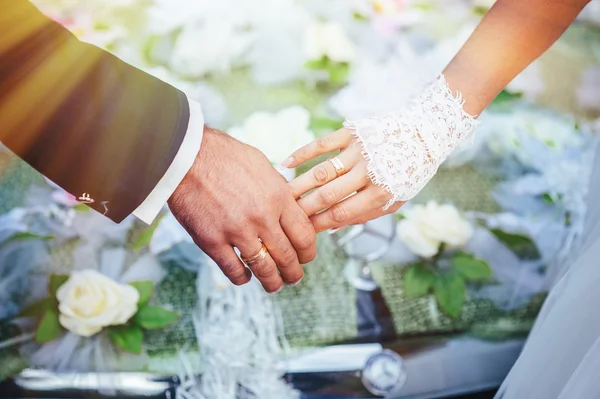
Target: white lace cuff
x=404 y=149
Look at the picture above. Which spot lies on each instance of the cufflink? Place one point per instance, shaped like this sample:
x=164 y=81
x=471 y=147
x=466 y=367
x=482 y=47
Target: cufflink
x=86 y=199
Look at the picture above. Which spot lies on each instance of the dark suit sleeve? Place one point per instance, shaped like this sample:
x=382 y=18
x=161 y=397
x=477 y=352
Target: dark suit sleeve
x=83 y=118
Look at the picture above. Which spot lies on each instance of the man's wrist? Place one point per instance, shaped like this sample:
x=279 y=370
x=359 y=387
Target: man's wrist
x=182 y=163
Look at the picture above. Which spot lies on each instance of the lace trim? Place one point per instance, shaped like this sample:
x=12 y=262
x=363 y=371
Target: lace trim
x=404 y=149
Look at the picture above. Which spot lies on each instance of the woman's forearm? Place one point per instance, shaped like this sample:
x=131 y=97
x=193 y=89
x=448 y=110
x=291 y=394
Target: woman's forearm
x=512 y=35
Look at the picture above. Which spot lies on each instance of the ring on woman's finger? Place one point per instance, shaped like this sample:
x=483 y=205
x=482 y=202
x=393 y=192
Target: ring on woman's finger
x=338 y=165
x=257 y=257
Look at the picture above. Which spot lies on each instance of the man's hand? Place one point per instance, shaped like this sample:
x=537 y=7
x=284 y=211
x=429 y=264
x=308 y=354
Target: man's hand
x=233 y=197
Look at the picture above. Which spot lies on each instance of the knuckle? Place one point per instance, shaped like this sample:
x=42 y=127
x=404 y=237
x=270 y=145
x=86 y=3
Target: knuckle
x=328 y=196
x=308 y=242
x=210 y=242
x=323 y=143
x=320 y=174
x=237 y=234
x=231 y=270
x=382 y=195
x=205 y=240
x=289 y=257
x=260 y=218
x=263 y=270
x=302 y=153
x=239 y=280
x=339 y=214
x=285 y=192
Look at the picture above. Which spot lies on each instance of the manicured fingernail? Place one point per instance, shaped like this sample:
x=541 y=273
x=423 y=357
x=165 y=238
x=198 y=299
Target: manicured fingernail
x=296 y=283
x=333 y=231
x=286 y=164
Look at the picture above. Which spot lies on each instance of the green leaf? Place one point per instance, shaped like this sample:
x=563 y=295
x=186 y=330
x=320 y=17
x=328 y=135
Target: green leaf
x=128 y=338
x=547 y=198
x=322 y=63
x=338 y=73
x=56 y=281
x=359 y=17
x=417 y=280
x=82 y=208
x=480 y=11
x=521 y=245
x=146 y=289
x=153 y=317
x=506 y=96
x=38 y=308
x=318 y=124
x=28 y=236
x=450 y=292
x=551 y=200
x=146 y=236
x=423 y=6
x=471 y=268
x=49 y=328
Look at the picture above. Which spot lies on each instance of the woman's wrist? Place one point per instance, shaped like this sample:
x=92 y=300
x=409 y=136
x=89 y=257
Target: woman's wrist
x=404 y=149
x=476 y=89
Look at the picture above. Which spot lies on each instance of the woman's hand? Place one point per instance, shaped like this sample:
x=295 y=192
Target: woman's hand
x=346 y=197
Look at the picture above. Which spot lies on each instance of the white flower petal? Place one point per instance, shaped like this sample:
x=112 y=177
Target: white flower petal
x=90 y=301
x=412 y=237
x=78 y=328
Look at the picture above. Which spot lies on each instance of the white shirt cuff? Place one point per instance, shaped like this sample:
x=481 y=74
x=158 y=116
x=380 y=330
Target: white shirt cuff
x=182 y=163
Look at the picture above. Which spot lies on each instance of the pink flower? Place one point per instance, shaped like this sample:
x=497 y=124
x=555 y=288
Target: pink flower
x=393 y=15
x=64 y=198
x=60 y=196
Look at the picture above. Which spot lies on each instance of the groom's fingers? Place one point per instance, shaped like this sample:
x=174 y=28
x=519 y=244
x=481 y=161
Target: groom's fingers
x=332 y=193
x=263 y=268
x=230 y=264
x=345 y=212
x=284 y=255
x=323 y=145
x=300 y=232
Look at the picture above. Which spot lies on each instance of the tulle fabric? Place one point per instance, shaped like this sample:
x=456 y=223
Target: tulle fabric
x=561 y=358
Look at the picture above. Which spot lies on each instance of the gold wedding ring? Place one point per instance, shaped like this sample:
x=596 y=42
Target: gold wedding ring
x=260 y=255
x=338 y=166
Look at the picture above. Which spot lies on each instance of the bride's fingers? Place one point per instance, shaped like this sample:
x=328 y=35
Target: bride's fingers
x=345 y=212
x=377 y=213
x=323 y=145
x=332 y=193
x=322 y=174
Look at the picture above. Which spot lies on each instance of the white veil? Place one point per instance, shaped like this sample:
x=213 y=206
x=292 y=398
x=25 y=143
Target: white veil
x=561 y=358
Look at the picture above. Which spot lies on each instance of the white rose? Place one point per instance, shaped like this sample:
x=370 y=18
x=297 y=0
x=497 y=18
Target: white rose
x=90 y=301
x=330 y=40
x=412 y=237
x=427 y=226
x=554 y=131
x=505 y=130
x=276 y=135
